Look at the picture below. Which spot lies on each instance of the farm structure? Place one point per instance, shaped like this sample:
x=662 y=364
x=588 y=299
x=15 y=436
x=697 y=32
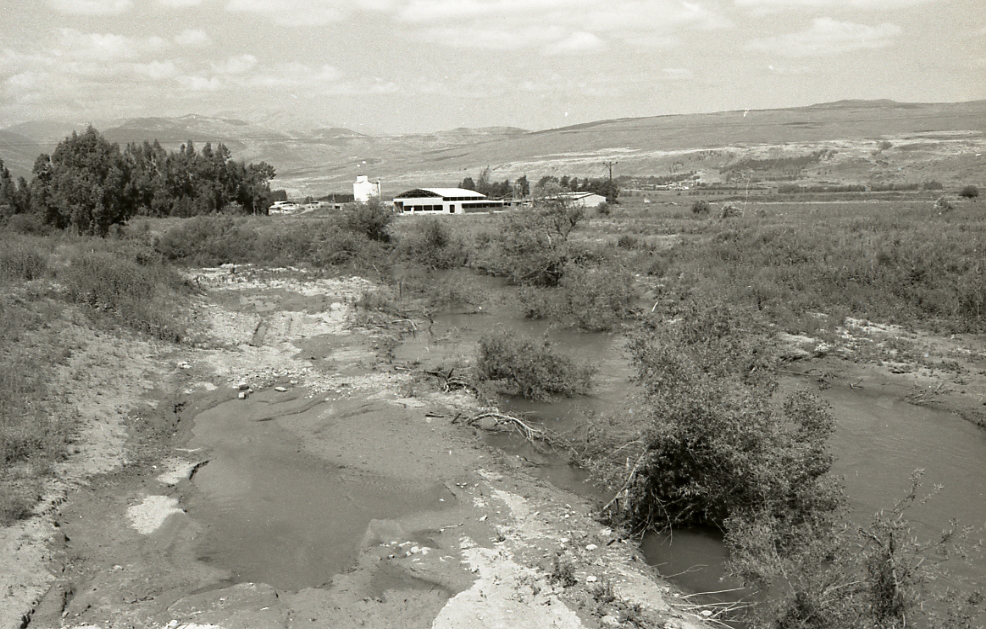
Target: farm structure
x=363 y=189
x=445 y=201
x=583 y=199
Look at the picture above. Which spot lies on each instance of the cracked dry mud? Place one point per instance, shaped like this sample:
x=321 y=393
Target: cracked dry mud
x=113 y=543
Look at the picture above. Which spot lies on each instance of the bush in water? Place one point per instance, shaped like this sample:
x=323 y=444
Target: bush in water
x=717 y=447
x=598 y=296
x=534 y=368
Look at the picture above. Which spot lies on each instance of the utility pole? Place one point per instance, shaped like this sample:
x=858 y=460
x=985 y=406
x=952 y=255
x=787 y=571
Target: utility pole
x=611 y=164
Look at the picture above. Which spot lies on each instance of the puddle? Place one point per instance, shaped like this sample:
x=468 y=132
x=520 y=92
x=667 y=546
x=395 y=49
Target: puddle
x=275 y=514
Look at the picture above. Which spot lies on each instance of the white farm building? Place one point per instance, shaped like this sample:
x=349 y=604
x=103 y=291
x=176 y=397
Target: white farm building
x=445 y=201
x=363 y=189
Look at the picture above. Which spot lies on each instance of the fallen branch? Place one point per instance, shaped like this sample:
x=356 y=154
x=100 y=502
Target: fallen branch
x=626 y=484
x=532 y=434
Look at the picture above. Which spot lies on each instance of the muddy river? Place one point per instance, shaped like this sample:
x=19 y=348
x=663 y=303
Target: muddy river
x=879 y=442
x=262 y=529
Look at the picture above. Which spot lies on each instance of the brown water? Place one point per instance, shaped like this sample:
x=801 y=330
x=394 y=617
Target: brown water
x=276 y=515
x=880 y=440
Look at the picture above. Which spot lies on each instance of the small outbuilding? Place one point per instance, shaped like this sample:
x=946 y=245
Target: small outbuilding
x=445 y=201
x=584 y=199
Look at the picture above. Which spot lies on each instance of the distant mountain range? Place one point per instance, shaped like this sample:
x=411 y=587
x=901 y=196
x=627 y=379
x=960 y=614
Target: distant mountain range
x=313 y=159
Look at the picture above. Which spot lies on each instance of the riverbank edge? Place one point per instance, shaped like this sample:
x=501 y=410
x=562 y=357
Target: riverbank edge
x=133 y=397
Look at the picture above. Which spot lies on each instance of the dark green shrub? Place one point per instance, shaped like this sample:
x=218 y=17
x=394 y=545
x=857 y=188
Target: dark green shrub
x=28 y=223
x=532 y=367
x=539 y=303
x=370 y=219
x=969 y=192
x=335 y=247
x=701 y=207
x=943 y=204
x=142 y=297
x=431 y=242
x=209 y=241
x=598 y=296
x=628 y=242
x=717 y=448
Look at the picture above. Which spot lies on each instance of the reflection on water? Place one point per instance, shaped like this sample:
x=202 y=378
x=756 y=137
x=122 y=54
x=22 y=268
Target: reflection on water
x=879 y=441
x=276 y=515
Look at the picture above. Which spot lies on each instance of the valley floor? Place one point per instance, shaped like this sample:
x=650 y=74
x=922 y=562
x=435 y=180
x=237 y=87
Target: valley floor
x=112 y=543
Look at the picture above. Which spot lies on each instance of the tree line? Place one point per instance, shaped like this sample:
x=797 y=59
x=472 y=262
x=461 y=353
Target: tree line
x=88 y=184
x=608 y=188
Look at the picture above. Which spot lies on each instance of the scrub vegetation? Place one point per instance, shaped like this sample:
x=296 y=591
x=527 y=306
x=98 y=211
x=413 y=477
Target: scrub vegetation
x=700 y=295
x=44 y=283
x=533 y=368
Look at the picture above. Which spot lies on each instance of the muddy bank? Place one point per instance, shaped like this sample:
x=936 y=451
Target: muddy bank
x=417 y=522
x=946 y=373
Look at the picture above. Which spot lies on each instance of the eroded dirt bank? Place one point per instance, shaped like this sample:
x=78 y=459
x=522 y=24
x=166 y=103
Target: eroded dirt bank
x=116 y=542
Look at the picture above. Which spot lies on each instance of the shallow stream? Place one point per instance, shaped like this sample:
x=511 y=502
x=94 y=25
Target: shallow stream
x=879 y=442
x=255 y=494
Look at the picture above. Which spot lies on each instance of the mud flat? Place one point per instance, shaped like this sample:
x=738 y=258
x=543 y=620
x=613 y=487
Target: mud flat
x=282 y=472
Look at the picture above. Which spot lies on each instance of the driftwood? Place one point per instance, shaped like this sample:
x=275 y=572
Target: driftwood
x=626 y=483
x=451 y=380
x=532 y=434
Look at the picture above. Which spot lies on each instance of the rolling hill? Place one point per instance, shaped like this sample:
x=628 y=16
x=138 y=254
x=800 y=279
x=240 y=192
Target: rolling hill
x=861 y=141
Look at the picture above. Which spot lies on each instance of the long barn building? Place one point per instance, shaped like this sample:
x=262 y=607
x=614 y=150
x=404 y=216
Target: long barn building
x=445 y=201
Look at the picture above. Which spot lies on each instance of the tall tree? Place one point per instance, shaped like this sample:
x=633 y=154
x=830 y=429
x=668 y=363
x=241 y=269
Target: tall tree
x=8 y=193
x=484 y=182
x=523 y=186
x=89 y=181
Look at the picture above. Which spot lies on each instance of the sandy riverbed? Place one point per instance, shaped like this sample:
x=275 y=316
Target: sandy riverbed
x=113 y=546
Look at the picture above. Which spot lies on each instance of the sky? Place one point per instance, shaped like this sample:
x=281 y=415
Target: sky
x=403 y=66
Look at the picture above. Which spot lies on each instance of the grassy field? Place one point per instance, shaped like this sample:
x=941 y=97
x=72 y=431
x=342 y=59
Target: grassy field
x=896 y=261
x=45 y=284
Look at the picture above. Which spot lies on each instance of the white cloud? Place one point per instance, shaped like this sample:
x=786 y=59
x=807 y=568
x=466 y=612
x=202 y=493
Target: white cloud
x=178 y=4
x=677 y=74
x=201 y=83
x=362 y=87
x=91 y=7
x=490 y=38
x=650 y=40
x=445 y=10
x=578 y=42
x=156 y=70
x=297 y=75
x=307 y=12
x=239 y=64
x=561 y=26
x=874 y=5
x=577 y=14
x=828 y=37
x=104 y=46
x=193 y=37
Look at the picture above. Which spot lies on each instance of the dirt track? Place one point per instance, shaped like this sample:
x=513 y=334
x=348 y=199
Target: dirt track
x=113 y=546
